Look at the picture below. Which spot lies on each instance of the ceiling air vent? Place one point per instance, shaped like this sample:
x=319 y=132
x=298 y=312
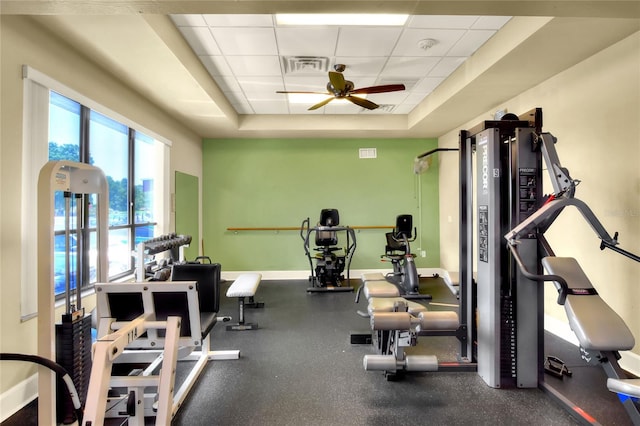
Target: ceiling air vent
x=386 y=107
x=305 y=64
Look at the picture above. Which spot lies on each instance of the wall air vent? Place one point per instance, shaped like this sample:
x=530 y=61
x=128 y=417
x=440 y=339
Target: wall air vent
x=305 y=64
x=367 y=153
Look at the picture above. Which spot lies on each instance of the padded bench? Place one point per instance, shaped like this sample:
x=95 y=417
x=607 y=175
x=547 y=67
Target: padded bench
x=245 y=286
x=375 y=285
x=595 y=324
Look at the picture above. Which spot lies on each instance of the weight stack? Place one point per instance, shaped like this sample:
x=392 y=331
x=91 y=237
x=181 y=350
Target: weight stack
x=73 y=352
x=508 y=343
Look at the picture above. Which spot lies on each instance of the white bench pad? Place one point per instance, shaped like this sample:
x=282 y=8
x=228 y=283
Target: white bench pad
x=372 y=276
x=245 y=285
x=380 y=289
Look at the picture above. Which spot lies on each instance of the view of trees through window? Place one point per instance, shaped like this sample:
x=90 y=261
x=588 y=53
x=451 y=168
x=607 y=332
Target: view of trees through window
x=127 y=157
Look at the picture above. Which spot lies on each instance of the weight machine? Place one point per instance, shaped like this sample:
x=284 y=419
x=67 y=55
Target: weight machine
x=503 y=307
x=69 y=342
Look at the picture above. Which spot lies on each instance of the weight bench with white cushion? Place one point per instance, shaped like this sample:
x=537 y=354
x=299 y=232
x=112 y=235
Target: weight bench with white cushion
x=244 y=286
x=373 y=289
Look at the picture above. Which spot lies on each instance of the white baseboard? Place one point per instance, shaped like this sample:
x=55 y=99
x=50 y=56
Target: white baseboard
x=18 y=396
x=629 y=361
x=304 y=274
x=354 y=274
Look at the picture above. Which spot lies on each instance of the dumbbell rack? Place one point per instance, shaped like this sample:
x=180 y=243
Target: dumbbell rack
x=146 y=249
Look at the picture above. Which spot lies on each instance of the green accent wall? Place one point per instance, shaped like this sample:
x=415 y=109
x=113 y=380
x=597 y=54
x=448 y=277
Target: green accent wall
x=187 y=211
x=281 y=182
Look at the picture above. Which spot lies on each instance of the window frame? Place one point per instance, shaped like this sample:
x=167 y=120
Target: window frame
x=36 y=154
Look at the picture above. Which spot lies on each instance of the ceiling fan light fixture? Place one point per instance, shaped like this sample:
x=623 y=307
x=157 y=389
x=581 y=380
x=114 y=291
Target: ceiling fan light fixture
x=369 y=19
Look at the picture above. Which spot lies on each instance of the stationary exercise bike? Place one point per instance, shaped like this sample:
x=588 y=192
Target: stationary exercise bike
x=330 y=260
x=398 y=252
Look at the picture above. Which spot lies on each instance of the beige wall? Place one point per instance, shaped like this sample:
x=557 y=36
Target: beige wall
x=593 y=109
x=23 y=42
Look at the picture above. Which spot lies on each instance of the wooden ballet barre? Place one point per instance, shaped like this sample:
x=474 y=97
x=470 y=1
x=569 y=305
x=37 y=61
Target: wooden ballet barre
x=297 y=228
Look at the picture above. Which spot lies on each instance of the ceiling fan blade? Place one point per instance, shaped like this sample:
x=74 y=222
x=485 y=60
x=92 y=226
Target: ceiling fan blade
x=378 y=89
x=321 y=104
x=364 y=103
x=337 y=80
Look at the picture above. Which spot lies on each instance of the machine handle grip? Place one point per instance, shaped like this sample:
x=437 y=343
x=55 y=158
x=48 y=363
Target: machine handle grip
x=564 y=287
x=613 y=246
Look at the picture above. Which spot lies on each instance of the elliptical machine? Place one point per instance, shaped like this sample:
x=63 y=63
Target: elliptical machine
x=398 y=252
x=330 y=260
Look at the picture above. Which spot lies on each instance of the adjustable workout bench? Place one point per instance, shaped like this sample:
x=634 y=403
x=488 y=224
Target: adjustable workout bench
x=598 y=328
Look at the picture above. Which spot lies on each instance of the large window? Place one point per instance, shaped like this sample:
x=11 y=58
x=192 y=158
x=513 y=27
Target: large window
x=129 y=160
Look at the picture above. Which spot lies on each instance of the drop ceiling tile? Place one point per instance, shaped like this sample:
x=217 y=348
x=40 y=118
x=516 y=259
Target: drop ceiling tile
x=408 y=43
x=359 y=41
x=228 y=83
x=266 y=95
x=201 y=40
x=446 y=66
x=260 y=84
x=245 y=41
x=470 y=42
x=404 y=108
x=441 y=21
x=316 y=83
x=414 y=98
x=270 y=107
x=414 y=66
x=254 y=65
x=239 y=20
x=389 y=97
x=216 y=65
x=244 y=55
x=299 y=41
x=490 y=22
x=359 y=66
x=361 y=82
x=427 y=84
x=188 y=20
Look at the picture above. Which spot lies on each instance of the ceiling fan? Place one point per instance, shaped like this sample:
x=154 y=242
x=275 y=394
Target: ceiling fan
x=339 y=88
